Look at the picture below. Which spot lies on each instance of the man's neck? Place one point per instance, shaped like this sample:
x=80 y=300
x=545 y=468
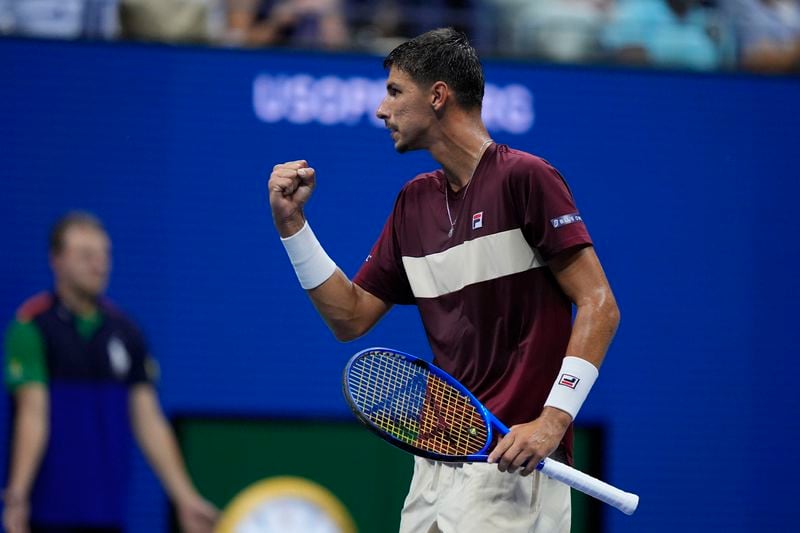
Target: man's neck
x=77 y=302
x=459 y=149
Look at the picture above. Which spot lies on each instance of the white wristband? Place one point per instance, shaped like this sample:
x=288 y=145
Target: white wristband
x=311 y=264
x=572 y=386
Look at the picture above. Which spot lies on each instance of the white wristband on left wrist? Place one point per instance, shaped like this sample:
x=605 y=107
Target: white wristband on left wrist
x=572 y=385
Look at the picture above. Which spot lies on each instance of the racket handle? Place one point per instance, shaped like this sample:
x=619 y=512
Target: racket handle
x=624 y=501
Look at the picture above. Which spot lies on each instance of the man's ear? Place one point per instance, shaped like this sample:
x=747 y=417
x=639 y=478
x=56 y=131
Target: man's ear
x=440 y=92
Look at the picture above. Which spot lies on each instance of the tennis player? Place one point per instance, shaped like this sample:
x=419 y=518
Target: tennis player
x=494 y=252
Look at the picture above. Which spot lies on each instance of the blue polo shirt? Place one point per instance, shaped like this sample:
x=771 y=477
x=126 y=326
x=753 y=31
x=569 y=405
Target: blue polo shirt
x=88 y=364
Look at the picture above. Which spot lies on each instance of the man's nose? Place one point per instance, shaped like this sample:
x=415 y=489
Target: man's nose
x=381 y=111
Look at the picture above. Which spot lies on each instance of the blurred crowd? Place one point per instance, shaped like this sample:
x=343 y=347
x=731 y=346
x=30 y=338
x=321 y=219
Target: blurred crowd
x=756 y=35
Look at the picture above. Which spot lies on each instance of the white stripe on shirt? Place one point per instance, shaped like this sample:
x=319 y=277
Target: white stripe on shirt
x=482 y=259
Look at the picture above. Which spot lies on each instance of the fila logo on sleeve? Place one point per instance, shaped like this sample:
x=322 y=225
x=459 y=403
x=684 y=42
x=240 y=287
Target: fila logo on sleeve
x=477 y=220
x=568 y=380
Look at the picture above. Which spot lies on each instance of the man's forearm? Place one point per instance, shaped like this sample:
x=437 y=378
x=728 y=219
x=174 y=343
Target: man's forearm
x=31 y=430
x=596 y=322
x=348 y=310
x=158 y=443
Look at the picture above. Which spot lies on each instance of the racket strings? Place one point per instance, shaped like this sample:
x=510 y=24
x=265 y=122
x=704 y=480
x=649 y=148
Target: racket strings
x=467 y=431
x=415 y=406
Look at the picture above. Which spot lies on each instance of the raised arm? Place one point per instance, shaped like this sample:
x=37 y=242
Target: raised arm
x=348 y=310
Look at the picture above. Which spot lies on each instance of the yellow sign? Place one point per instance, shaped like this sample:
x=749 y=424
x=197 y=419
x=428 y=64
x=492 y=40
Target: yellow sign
x=285 y=505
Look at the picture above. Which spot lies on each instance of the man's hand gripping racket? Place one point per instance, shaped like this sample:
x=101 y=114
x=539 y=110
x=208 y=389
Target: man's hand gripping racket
x=418 y=407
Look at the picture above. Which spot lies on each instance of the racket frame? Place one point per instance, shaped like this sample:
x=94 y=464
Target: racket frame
x=489 y=420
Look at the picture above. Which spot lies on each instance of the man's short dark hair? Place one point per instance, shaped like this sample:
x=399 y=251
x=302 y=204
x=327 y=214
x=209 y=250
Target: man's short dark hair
x=444 y=55
x=71 y=219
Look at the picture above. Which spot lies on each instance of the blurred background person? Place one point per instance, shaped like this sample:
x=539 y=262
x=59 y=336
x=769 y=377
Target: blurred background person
x=666 y=33
x=381 y=25
x=768 y=33
x=82 y=378
x=558 y=30
x=60 y=19
x=173 y=21
x=303 y=23
x=378 y=26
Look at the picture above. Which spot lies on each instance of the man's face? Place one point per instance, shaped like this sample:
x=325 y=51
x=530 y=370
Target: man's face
x=406 y=110
x=84 y=262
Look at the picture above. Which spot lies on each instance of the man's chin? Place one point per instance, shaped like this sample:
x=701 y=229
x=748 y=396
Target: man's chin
x=92 y=292
x=402 y=147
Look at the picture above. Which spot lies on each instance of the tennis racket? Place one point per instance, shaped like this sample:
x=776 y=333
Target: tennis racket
x=420 y=408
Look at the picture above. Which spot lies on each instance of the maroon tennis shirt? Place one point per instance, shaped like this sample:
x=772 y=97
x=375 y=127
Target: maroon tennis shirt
x=495 y=317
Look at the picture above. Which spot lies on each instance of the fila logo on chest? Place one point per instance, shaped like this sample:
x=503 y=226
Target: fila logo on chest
x=477 y=220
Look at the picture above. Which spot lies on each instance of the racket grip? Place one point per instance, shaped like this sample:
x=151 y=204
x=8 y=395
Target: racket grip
x=624 y=501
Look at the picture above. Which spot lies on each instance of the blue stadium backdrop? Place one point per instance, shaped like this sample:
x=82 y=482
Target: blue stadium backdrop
x=687 y=182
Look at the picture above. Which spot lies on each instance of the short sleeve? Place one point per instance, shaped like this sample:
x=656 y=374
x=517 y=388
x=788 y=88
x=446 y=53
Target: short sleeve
x=382 y=274
x=551 y=220
x=24 y=358
x=144 y=368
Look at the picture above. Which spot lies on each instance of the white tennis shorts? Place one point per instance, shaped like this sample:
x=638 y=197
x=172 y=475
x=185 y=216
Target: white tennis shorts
x=478 y=498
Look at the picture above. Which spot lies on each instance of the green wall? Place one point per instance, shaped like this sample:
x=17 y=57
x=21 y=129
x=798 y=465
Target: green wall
x=369 y=476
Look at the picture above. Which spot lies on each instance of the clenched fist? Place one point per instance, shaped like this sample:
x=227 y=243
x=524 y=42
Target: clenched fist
x=290 y=186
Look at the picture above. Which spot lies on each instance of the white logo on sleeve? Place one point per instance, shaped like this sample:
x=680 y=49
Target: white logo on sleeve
x=563 y=220
x=119 y=358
